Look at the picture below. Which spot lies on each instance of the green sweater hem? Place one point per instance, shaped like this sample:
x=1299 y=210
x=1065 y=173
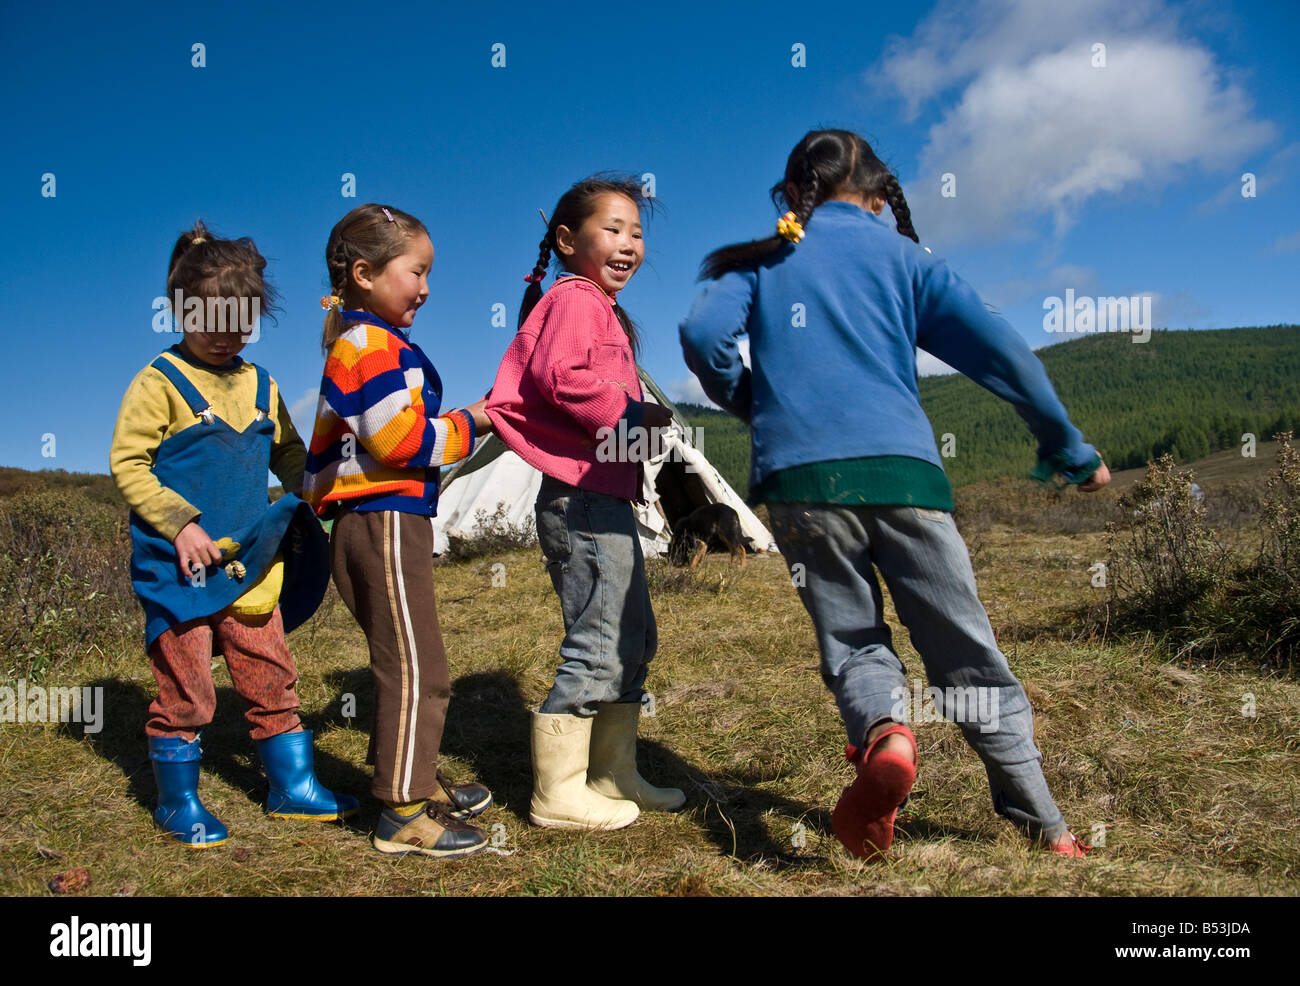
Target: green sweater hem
x=880 y=481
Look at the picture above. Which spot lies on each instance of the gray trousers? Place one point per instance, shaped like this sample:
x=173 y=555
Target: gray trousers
x=593 y=555
x=833 y=553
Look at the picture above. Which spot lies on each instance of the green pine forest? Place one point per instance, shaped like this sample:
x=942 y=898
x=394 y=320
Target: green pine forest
x=1183 y=392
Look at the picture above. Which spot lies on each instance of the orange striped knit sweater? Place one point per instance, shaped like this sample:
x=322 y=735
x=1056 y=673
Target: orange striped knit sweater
x=379 y=442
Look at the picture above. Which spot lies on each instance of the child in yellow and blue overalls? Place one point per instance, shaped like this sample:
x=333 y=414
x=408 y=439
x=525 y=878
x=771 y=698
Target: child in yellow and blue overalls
x=198 y=429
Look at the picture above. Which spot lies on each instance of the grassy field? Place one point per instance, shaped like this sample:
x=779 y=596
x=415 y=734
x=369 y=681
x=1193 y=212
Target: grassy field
x=1193 y=796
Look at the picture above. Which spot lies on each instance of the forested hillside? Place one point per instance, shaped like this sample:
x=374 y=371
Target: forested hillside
x=1187 y=393
x=724 y=440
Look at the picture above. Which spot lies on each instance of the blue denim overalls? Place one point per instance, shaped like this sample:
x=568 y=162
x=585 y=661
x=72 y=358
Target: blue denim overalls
x=223 y=473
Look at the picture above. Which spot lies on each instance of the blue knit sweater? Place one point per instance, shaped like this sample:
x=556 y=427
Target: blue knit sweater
x=833 y=326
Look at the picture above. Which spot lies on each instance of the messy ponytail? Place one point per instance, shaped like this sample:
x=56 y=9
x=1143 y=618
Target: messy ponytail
x=205 y=265
x=825 y=164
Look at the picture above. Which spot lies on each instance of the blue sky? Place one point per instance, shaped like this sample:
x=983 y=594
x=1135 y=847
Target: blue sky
x=1111 y=180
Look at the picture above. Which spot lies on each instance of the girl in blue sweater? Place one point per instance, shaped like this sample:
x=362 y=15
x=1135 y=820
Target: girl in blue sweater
x=835 y=305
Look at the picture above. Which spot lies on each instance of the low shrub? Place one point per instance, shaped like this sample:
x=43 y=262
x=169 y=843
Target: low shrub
x=1170 y=573
x=65 y=579
x=493 y=534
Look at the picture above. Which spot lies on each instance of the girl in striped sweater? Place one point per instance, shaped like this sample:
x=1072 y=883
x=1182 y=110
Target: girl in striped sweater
x=373 y=467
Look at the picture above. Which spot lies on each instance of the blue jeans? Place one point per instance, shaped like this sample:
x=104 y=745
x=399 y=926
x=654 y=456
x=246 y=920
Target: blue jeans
x=593 y=555
x=833 y=552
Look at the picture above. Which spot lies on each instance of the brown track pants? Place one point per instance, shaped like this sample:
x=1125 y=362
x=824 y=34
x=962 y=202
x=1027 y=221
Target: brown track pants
x=382 y=562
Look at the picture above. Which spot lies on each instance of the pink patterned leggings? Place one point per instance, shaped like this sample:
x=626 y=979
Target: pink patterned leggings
x=260 y=664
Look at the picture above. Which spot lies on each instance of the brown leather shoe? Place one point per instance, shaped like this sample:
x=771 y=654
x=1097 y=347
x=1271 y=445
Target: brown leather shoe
x=432 y=831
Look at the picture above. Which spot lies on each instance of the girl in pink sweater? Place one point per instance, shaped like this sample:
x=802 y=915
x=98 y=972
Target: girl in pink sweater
x=567 y=385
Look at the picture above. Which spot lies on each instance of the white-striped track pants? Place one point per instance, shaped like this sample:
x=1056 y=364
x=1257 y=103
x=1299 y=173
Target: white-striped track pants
x=382 y=562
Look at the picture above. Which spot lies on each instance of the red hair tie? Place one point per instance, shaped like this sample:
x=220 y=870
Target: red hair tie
x=534 y=278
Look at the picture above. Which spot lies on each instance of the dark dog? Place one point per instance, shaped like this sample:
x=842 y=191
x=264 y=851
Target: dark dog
x=714 y=524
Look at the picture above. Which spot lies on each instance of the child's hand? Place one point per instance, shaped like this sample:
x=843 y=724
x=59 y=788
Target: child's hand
x=655 y=415
x=482 y=423
x=655 y=418
x=1097 y=480
x=194 y=547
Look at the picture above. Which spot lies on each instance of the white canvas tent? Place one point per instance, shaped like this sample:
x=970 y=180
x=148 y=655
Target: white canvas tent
x=677 y=481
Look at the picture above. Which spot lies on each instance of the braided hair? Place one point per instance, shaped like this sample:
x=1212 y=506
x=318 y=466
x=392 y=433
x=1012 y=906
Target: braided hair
x=575 y=208
x=898 y=206
x=366 y=233
x=825 y=164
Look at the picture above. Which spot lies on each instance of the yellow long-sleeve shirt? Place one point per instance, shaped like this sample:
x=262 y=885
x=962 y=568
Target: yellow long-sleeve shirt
x=153 y=410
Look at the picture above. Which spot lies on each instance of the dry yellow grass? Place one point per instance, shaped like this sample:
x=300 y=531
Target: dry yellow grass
x=1195 y=797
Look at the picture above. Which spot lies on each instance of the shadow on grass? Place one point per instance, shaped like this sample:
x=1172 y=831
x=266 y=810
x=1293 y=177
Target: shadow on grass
x=923 y=830
x=488 y=724
x=228 y=753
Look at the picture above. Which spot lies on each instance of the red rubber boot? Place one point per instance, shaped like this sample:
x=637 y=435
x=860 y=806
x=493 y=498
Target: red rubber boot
x=863 y=819
x=1074 y=848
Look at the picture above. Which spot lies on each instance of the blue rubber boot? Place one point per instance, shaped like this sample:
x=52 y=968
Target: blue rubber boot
x=180 y=813
x=295 y=791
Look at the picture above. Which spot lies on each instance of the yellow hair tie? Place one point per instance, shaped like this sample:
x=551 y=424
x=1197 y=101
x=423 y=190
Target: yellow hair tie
x=333 y=301
x=197 y=240
x=789 y=228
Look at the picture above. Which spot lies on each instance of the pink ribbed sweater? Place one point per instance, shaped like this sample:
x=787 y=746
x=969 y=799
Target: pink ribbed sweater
x=568 y=373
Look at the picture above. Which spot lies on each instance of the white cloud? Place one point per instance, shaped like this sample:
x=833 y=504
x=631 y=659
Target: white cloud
x=1287 y=244
x=688 y=390
x=931 y=366
x=1036 y=131
x=303 y=412
x=1035 y=289
x=960 y=40
x=1277 y=169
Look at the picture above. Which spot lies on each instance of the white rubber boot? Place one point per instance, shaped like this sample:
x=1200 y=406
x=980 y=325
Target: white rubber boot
x=561 y=797
x=612 y=770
